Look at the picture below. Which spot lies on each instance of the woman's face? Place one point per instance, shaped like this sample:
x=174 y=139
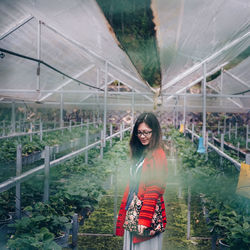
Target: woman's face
x=144 y=134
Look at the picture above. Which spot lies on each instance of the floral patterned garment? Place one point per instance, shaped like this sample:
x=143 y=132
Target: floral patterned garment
x=132 y=216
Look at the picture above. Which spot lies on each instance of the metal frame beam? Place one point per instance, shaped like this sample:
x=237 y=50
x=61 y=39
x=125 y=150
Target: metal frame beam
x=208 y=59
x=67 y=82
x=237 y=79
x=93 y=54
x=16 y=26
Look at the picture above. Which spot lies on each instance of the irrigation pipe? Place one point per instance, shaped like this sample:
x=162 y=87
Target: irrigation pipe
x=236 y=164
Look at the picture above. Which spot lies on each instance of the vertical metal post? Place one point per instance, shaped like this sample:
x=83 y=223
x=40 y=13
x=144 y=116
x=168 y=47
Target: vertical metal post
x=101 y=150
x=192 y=132
x=230 y=127
x=81 y=124
x=38 y=55
x=31 y=129
x=105 y=103
x=189 y=213
x=41 y=130
x=248 y=159
x=247 y=139
x=247 y=162
x=97 y=94
x=75 y=231
x=115 y=199
x=204 y=93
x=184 y=111
x=238 y=150
x=18 y=185
x=236 y=130
x=4 y=129
x=61 y=111
x=46 y=174
x=177 y=113
x=86 y=144
x=123 y=127
x=13 y=117
x=120 y=132
x=70 y=126
x=88 y=124
x=111 y=132
x=225 y=125
x=222 y=148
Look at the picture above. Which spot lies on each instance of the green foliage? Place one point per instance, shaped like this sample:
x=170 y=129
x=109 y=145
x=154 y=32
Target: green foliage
x=40 y=240
x=228 y=213
x=132 y=22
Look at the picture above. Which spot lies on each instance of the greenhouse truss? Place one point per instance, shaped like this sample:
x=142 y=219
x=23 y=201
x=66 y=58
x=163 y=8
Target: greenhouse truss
x=62 y=55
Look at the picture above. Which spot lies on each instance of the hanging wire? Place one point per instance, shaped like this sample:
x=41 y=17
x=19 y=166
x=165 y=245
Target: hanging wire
x=47 y=65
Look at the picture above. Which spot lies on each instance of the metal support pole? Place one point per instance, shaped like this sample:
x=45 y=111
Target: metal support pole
x=111 y=132
x=81 y=124
x=222 y=148
x=192 y=132
x=31 y=129
x=61 y=111
x=121 y=132
x=230 y=127
x=105 y=103
x=101 y=150
x=204 y=93
x=247 y=139
x=236 y=130
x=225 y=126
x=38 y=55
x=70 y=126
x=46 y=174
x=98 y=86
x=13 y=117
x=123 y=127
x=18 y=185
x=41 y=130
x=88 y=124
x=189 y=213
x=86 y=144
x=75 y=231
x=115 y=198
x=185 y=109
x=4 y=129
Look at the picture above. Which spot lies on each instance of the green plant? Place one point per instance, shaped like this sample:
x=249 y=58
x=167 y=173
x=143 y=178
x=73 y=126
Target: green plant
x=39 y=240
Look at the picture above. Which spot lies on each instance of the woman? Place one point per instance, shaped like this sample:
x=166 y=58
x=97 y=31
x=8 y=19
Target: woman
x=147 y=180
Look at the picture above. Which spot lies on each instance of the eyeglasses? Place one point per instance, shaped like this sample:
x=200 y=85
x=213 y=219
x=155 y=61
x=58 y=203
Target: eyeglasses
x=145 y=133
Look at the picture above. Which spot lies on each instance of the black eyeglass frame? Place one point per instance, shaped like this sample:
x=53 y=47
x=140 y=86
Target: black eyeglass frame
x=145 y=133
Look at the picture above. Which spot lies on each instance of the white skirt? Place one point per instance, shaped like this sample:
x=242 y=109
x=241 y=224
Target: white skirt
x=153 y=244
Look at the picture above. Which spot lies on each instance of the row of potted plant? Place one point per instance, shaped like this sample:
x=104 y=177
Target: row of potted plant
x=75 y=187
x=57 y=137
x=228 y=215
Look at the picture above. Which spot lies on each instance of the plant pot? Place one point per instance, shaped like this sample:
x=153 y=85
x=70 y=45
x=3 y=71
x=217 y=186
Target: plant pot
x=223 y=245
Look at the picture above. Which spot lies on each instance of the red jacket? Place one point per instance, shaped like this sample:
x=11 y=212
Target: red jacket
x=151 y=187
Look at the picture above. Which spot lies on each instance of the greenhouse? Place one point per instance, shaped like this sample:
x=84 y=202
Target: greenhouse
x=74 y=78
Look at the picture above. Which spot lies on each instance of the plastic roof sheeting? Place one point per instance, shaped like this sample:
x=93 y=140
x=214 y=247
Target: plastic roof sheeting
x=75 y=39
x=192 y=31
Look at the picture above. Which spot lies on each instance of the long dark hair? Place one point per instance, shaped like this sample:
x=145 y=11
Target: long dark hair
x=136 y=148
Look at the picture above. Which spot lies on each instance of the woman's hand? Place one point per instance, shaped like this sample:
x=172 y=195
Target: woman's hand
x=141 y=229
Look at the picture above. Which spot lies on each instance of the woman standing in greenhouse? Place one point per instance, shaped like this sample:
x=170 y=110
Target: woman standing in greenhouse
x=142 y=217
